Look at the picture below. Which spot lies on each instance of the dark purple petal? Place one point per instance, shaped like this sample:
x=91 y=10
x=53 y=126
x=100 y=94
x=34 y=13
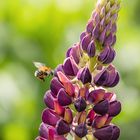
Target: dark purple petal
x=70 y=67
x=116 y=133
x=84 y=75
x=114 y=108
x=91 y=49
x=80 y=104
x=104 y=133
x=85 y=42
x=110 y=57
x=116 y=81
x=101 y=107
x=101 y=78
x=62 y=127
x=49 y=117
x=55 y=86
x=49 y=100
x=63 y=98
x=104 y=54
x=81 y=130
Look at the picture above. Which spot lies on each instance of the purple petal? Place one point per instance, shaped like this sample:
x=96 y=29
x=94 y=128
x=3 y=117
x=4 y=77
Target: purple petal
x=114 y=108
x=96 y=31
x=85 y=42
x=49 y=117
x=43 y=130
x=63 y=98
x=104 y=54
x=70 y=67
x=96 y=96
x=90 y=26
x=83 y=35
x=104 y=133
x=84 y=75
x=49 y=100
x=81 y=130
x=55 y=86
x=101 y=78
x=91 y=49
x=110 y=57
x=101 y=107
x=102 y=36
x=80 y=104
x=62 y=127
x=58 y=68
x=116 y=133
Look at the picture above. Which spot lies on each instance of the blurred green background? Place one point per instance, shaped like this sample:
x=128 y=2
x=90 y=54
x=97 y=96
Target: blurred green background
x=42 y=30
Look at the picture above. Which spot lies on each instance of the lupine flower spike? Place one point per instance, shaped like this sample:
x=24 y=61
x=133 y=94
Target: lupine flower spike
x=79 y=102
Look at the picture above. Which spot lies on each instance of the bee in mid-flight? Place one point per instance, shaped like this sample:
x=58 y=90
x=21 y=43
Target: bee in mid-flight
x=42 y=71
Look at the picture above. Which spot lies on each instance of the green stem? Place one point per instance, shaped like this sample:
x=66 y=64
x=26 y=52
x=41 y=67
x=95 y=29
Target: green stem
x=75 y=137
x=92 y=63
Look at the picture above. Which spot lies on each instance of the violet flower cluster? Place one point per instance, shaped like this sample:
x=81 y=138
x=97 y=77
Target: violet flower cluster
x=79 y=102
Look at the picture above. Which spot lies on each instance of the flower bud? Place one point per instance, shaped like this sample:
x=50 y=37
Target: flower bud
x=114 y=108
x=107 y=55
x=101 y=107
x=108 y=77
x=84 y=75
x=85 y=42
x=75 y=52
x=70 y=67
x=62 y=127
x=58 y=68
x=91 y=49
x=90 y=26
x=107 y=133
x=80 y=104
x=63 y=98
x=81 y=130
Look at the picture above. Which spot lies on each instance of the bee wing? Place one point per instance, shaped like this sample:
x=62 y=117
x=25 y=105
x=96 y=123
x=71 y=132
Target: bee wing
x=38 y=64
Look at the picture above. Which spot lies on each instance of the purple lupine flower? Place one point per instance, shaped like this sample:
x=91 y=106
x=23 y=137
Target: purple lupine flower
x=78 y=102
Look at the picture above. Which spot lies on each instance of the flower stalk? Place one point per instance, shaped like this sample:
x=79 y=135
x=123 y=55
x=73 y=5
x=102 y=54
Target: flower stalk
x=79 y=101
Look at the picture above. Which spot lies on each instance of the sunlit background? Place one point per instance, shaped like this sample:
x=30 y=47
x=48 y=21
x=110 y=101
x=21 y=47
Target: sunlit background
x=42 y=30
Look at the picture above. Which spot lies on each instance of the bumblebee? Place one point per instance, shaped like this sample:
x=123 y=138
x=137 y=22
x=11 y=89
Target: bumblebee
x=43 y=71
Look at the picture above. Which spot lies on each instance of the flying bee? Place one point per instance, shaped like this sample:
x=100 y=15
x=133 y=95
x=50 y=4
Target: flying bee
x=42 y=71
